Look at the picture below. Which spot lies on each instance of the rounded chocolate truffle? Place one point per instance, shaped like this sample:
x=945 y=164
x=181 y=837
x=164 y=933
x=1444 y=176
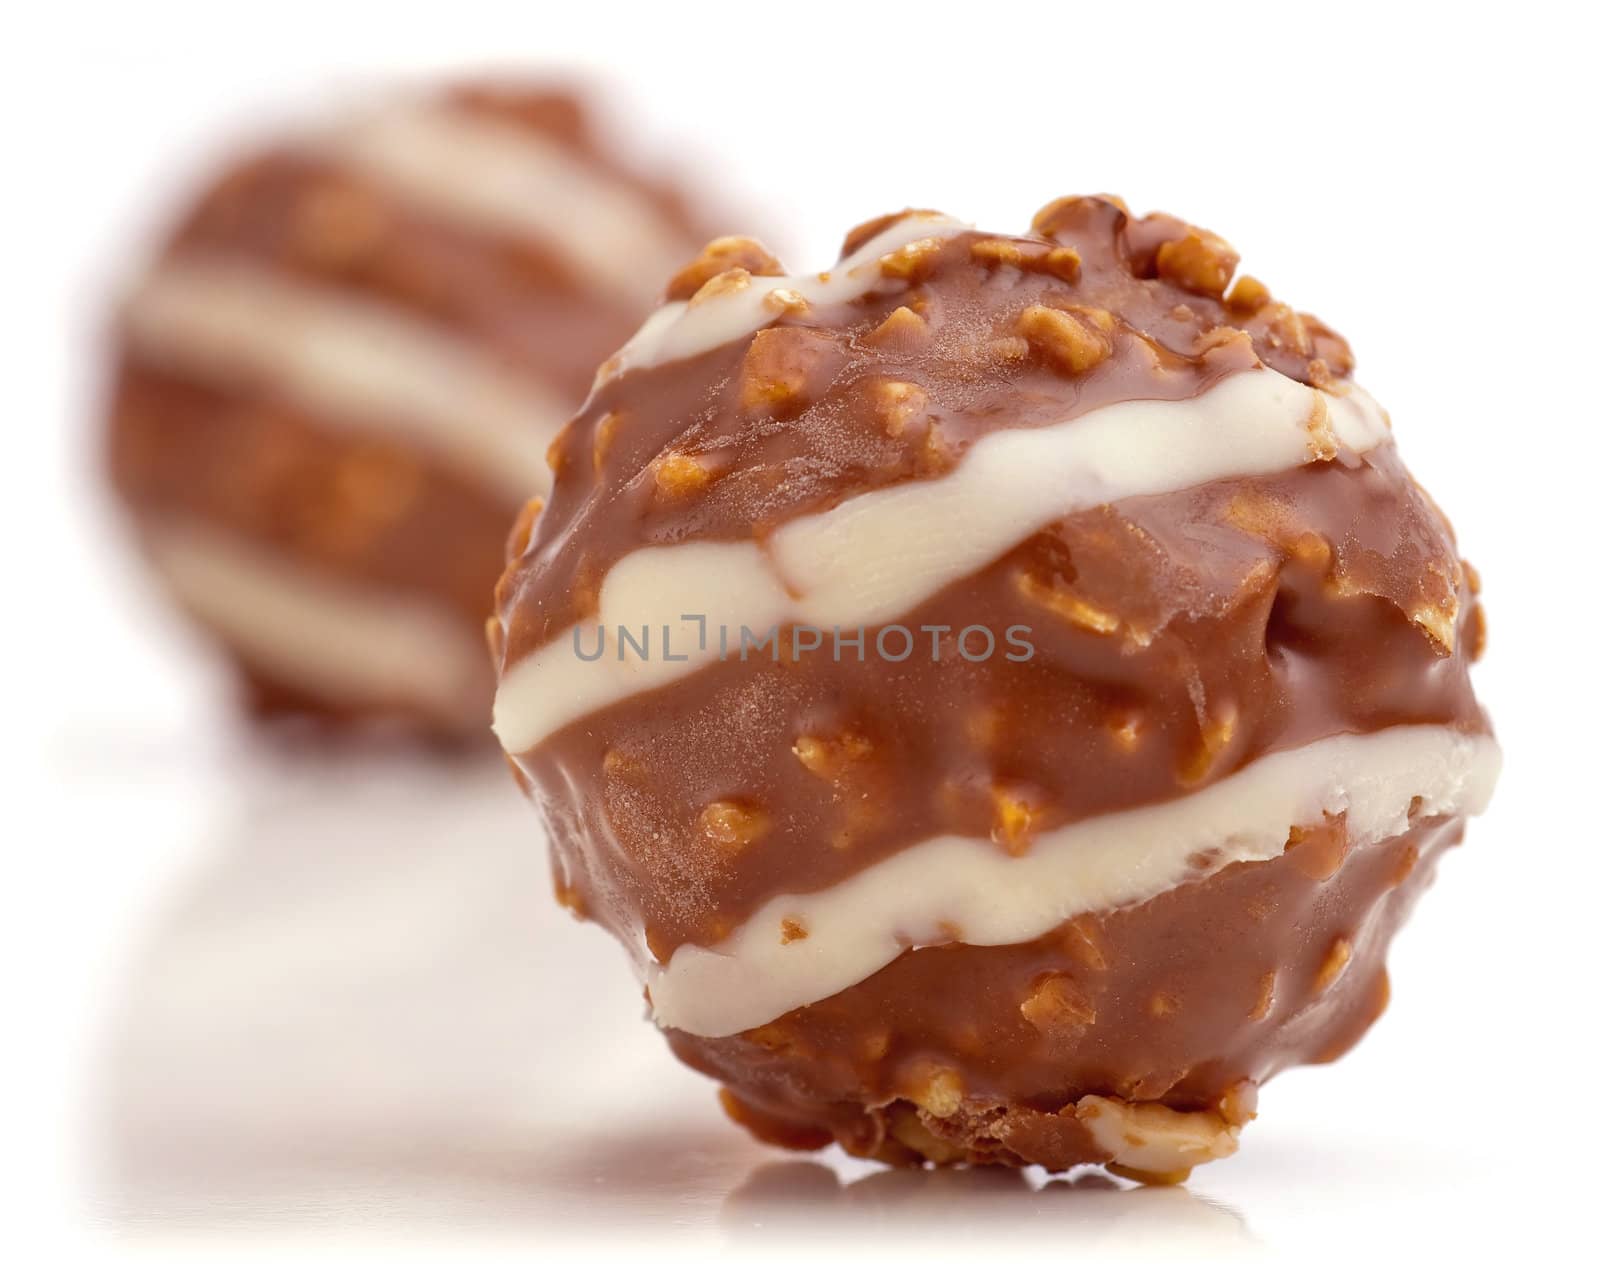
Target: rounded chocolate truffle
x=337 y=381
x=1004 y=691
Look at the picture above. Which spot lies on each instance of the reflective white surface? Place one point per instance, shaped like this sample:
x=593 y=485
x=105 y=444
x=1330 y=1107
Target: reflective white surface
x=360 y=1010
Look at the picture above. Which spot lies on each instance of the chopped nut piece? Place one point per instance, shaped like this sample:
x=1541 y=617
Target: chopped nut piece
x=1321 y=377
x=732 y=826
x=1319 y=851
x=1060 y=261
x=911 y=1132
x=1215 y=733
x=555 y=456
x=996 y=252
x=1262 y=515
x=1063 y=338
x=1405 y=865
x=522 y=530
x=1438 y=621
x=1099 y=316
x=1058 y=1007
x=1266 y=992
x=779 y=368
x=1199 y=261
x=1067 y=605
x=1476 y=632
x=1014 y=819
x=1222 y=337
x=680 y=476
x=1238 y=1103
x=902 y=330
x=1153 y=1143
x=1333 y=965
x=1059 y=214
x=718 y=256
x=1004 y=350
x=935 y=456
x=939 y=1093
x=1125 y=730
x=898 y=404
x=1323 y=443
x=1163 y=1005
x=1287 y=330
x=911 y=261
x=729 y=281
x=1247 y=295
x=793 y=930
x=785 y=301
x=495 y=635
x=829 y=759
x=1064 y=263
x=1313 y=549
x=605 y=429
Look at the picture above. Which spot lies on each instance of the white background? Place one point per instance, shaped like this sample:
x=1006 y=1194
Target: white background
x=245 y=1024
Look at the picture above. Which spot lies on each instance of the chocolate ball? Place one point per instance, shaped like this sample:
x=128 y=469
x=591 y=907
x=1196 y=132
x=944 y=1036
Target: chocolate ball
x=337 y=381
x=1004 y=691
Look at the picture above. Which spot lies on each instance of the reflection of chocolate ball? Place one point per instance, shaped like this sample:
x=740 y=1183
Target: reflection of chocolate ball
x=338 y=381
x=1005 y=691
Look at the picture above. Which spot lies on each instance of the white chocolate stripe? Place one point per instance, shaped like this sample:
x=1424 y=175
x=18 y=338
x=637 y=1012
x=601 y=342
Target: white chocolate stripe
x=508 y=179
x=682 y=329
x=347 y=358
x=862 y=924
x=352 y=645
x=871 y=559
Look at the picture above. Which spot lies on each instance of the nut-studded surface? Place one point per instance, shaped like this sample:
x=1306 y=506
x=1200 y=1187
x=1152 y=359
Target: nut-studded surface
x=206 y=446
x=825 y=404
x=1176 y=637
x=966 y=1053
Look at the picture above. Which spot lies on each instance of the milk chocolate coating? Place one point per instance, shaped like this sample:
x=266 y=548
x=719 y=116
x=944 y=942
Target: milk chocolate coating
x=1206 y=989
x=1261 y=631
x=1321 y=600
x=349 y=502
